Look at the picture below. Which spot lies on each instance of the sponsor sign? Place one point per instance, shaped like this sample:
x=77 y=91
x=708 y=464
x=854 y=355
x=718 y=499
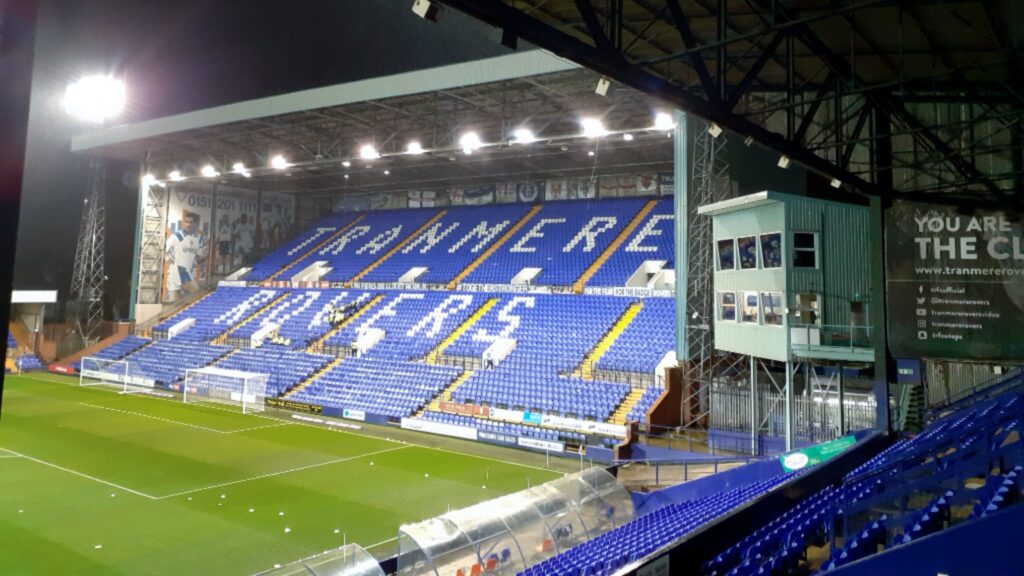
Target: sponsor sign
x=507 y=415
x=352 y=414
x=546 y=445
x=630 y=292
x=58 y=369
x=294 y=406
x=497 y=437
x=584 y=426
x=533 y=418
x=465 y=409
x=418 y=425
x=816 y=454
x=955 y=283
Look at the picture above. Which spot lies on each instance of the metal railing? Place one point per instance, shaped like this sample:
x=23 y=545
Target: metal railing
x=668 y=472
x=823 y=336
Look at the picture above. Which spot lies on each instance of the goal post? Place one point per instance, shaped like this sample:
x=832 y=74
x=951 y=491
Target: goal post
x=245 y=389
x=95 y=371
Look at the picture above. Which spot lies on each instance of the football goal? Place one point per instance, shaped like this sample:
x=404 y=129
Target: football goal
x=245 y=389
x=116 y=373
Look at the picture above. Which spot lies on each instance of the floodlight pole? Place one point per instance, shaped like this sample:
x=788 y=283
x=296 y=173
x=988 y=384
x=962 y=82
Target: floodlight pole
x=89 y=278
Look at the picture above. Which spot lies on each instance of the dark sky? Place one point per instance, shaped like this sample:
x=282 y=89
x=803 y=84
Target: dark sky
x=185 y=55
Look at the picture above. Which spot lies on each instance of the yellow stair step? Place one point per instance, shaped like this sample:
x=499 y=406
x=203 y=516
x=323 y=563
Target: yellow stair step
x=446 y=394
x=577 y=286
x=434 y=355
x=312 y=378
x=394 y=249
x=315 y=347
x=586 y=368
x=494 y=247
x=628 y=403
x=330 y=238
x=223 y=337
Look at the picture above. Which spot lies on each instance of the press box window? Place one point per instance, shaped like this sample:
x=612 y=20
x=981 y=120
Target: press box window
x=727 y=306
x=807 y=311
x=748 y=252
x=771 y=250
x=771 y=303
x=805 y=250
x=726 y=255
x=749 y=311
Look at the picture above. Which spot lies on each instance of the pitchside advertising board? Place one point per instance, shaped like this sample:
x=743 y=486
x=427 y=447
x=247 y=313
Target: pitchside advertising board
x=955 y=284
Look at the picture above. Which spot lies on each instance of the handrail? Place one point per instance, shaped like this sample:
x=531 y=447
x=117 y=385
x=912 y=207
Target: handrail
x=980 y=392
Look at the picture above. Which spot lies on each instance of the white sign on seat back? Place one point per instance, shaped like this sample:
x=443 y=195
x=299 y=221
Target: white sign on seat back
x=313 y=272
x=413 y=274
x=180 y=327
x=526 y=276
x=262 y=334
x=499 y=350
x=645 y=272
x=367 y=338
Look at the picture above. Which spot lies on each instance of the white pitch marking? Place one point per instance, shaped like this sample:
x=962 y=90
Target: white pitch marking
x=281 y=472
x=77 y=473
x=168 y=420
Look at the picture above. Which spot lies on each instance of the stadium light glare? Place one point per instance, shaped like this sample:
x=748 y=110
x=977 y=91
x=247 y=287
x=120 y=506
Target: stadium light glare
x=784 y=162
x=414 y=147
x=209 y=171
x=628 y=137
x=368 y=152
x=387 y=172
x=95 y=98
x=346 y=164
x=523 y=136
x=239 y=168
x=470 y=142
x=148 y=180
x=715 y=130
x=663 y=121
x=593 y=128
x=175 y=175
x=279 y=163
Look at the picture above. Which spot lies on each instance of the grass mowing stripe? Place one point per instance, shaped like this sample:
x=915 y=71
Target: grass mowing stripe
x=77 y=473
x=280 y=472
x=214 y=430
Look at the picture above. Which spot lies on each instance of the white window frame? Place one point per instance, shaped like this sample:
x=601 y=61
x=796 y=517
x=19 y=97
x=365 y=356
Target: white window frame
x=743 y=307
x=782 y=249
x=815 y=250
x=779 y=310
x=757 y=253
x=721 y=307
x=735 y=256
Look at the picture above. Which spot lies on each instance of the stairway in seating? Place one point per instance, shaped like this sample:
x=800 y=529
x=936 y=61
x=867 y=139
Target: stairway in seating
x=434 y=355
x=446 y=394
x=10 y=365
x=631 y=400
x=315 y=347
x=223 y=337
x=312 y=378
x=394 y=249
x=586 y=368
x=494 y=247
x=146 y=329
x=330 y=238
x=577 y=286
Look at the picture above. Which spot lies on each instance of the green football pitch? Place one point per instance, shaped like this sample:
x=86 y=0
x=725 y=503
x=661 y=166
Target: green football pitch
x=96 y=482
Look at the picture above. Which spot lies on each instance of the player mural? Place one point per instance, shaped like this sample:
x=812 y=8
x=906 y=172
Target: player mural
x=185 y=252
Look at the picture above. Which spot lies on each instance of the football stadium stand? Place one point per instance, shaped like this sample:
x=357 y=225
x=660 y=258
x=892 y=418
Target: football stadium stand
x=288 y=253
x=653 y=240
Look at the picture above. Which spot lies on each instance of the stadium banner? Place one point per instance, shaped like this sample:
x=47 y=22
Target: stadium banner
x=955 y=283
x=187 y=241
x=631 y=292
x=506 y=439
x=529 y=191
x=504 y=415
x=465 y=409
x=422 y=198
x=277 y=216
x=647 y=185
x=353 y=414
x=800 y=459
x=58 y=369
x=616 y=186
x=585 y=426
x=294 y=406
x=535 y=418
x=234 y=232
x=473 y=195
x=582 y=188
x=452 y=430
x=546 y=445
x=666 y=184
x=556 y=190
x=505 y=193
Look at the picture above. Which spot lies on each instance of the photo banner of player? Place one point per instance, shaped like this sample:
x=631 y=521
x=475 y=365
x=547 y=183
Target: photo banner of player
x=277 y=216
x=955 y=287
x=235 y=229
x=187 y=243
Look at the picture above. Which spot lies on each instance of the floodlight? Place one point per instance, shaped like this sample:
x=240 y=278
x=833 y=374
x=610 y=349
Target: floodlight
x=368 y=152
x=836 y=183
x=209 y=171
x=426 y=9
x=593 y=128
x=470 y=141
x=748 y=140
x=346 y=164
x=784 y=161
x=346 y=176
x=523 y=136
x=95 y=98
x=602 y=87
x=176 y=176
x=628 y=137
x=663 y=121
x=715 y=130
x=590 y=153
x=414 y=147
x=387 y=172
x=239 y=168
x=148 y=180
x=279 y=163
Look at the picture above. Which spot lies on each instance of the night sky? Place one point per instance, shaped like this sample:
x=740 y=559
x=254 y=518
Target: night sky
x=188 y=55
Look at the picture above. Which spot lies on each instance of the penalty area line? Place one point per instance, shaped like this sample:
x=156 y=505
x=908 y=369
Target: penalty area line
x=79 y=474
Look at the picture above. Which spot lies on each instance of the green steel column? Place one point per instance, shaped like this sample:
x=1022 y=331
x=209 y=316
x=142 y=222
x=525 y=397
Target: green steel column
x=877 y=304
x=681 y=182
x=133 y=295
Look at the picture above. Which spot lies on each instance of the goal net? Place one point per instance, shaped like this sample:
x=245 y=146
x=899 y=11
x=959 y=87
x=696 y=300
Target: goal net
x=116 y=373
x=244 y=389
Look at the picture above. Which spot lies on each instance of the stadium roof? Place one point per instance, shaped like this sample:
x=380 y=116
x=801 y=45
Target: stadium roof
x=922 y=96
x=317 y=130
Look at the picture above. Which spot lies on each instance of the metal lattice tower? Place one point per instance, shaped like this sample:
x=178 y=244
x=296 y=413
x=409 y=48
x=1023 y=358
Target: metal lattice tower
x=710 y=184
x=87 y=282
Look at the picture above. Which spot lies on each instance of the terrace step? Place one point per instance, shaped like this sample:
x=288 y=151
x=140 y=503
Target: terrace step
x=312 y=250
x=312 y=378
x=586 y=368
x=434 y=355
x=494 y=247
x=577 y=286
x=446 y=394
x=317 y=347
x=223 y=337
x=394 y=249
x=623 y=410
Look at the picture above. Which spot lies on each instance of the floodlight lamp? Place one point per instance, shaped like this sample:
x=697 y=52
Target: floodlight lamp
x=663 y=121
x=715 y=130
x=523 y=136
x=209 y=171
x=414 y=147
x=387 y=172
x=175 y=175
x=784 y=162
x=836 y=183
x=593 y=128
x=368 y=152
x=148 y=180
x=590 y=152
x=95 y=98
x=279 y=163
x=470 y=142
x=239 y=168
x=602 y=87
x=628 y=137
x=346 y=164
x=748 y=140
